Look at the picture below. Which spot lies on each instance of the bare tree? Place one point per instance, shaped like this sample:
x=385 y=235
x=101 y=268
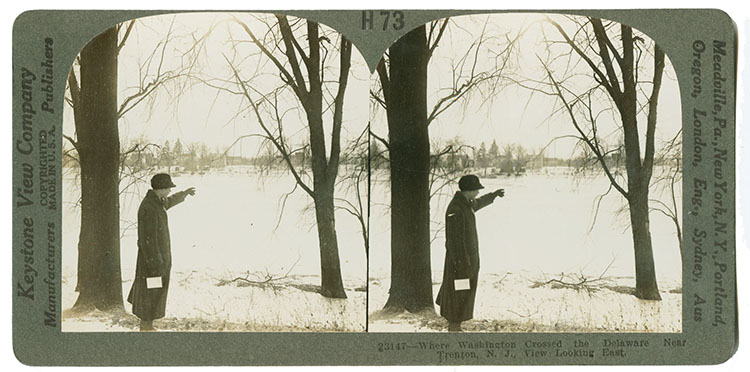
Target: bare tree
x=97 y=145
x=402 y=92
x=614 y=60
x=299 y=52
x=92 y=94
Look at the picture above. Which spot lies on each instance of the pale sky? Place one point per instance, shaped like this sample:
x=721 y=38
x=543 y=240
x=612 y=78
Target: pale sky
x=515 y=116
x=203 y=114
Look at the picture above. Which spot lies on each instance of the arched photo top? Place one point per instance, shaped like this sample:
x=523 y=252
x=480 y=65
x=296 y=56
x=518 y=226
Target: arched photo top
x=573 y=126
x=260 y=120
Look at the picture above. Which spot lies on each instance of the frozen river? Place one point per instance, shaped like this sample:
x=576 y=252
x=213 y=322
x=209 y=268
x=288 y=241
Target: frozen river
x=231 y=225
x=543 y=225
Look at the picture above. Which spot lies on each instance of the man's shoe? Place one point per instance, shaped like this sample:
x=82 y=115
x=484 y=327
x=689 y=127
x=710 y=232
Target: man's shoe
x=454 y=327
x=147 y=326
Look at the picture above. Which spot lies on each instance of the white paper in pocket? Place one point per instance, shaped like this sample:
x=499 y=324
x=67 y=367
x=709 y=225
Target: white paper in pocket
x=153 y=282
x=461 y=284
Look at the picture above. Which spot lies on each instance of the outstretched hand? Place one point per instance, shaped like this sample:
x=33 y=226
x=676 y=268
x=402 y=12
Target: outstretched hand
x=499 y=193
x=190 y=191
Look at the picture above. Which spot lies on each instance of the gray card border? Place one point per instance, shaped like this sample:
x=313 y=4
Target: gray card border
x=675 y=30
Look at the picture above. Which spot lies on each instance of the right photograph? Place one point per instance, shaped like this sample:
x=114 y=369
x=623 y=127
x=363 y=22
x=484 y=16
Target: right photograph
x=526 y=176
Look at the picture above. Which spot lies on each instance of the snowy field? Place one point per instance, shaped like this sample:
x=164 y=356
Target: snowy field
x=201 y=301
x=515 y=302
x=233 y=229
x=542 y=230
x=232 y=232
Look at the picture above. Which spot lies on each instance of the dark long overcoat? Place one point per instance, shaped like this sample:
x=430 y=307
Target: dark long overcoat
x=461 y=257
x=154 y=255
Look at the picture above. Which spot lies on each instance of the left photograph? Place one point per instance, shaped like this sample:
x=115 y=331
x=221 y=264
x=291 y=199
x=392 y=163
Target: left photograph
x=215 y=170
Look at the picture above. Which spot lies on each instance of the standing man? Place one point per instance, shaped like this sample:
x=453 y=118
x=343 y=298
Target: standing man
x=149 y=292
x=456 y=296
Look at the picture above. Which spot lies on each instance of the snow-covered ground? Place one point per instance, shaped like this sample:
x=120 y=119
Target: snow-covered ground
x=230 y=228
x=204 y=301
x=542 y=228
x=515 y=302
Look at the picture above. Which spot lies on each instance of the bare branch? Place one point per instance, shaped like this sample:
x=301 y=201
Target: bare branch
x=380 y=101
x=602 y=39
x=297 y=46
x=344 y=63
x=75 y=89
x=288 y=38
x=601 y=78
x=125 y=37
x=283 y=200
x=380 y=139
x=438 y=37
x=598 y=202
x=584 y=136
x=286 y=76
x=385 y=83
x=648 y=159
x=72 y=141
x=466 y=82
x=279 y=146
x=160 y=78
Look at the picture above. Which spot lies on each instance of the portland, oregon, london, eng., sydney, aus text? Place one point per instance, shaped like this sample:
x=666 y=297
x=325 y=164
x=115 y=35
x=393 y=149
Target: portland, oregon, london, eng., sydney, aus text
x=709 y=196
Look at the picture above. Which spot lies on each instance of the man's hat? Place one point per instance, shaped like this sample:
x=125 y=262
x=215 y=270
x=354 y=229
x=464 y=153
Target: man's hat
x=469 y=182
x=162 y=181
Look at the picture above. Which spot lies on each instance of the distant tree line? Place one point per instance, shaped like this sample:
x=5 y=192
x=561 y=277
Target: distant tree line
x=454 y=156
x=514 y=159
x=141 y=154
x=174 y=156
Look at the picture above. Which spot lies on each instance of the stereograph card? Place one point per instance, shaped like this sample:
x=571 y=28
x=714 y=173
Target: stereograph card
x=374 y=187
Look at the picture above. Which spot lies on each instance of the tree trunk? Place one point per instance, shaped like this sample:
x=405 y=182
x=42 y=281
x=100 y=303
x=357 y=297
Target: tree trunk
x=411 y=276
x=645 y=273
x=98 y=145
x=646 y=287
x=331 y=285
x=639 y=171
x=324 y=167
